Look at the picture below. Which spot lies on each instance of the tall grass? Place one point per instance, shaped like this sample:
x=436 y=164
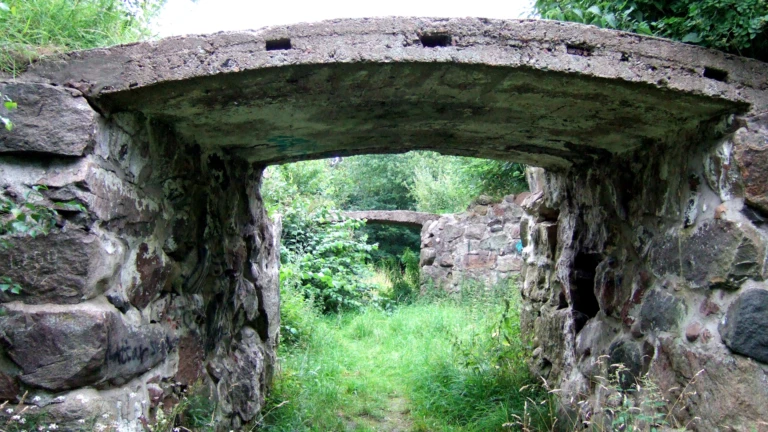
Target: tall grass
x=442 y=364
x=31 y=28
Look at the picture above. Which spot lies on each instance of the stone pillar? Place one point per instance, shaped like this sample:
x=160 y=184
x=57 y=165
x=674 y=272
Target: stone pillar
x=656 y=260
x=161 y=271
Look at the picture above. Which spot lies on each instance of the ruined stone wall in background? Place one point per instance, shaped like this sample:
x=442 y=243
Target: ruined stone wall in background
x=165 y=275
x=656 y=260
x=480 y=245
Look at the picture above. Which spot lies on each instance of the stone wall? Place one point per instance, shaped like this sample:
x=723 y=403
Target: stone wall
x=162 y=275
x=656 y=260
x=479 y=245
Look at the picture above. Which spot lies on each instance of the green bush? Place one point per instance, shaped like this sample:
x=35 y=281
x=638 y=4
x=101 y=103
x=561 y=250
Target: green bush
x=332 y=262
x=735 y=26
x=30 y=28
x=405 y=274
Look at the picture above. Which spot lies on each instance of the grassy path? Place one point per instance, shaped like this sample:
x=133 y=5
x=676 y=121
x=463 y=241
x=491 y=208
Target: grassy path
x=424 y=367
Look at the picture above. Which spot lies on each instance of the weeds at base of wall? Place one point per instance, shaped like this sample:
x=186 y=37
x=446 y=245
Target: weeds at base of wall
x=640 y=407
x=23 y=417
x=195 y=412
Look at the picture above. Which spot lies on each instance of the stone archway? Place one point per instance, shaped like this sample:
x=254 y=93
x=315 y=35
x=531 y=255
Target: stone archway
x=643 y=233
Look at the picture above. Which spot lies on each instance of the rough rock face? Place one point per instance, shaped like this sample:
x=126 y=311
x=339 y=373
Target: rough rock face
x=63 y=348
x=49 y=119
x=657 y=268
x=164 y=275
x=744 y=326
x=67 y=266
x=481 y=245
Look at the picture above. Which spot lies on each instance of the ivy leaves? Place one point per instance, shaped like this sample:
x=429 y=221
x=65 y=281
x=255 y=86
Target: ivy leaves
x=27 y=218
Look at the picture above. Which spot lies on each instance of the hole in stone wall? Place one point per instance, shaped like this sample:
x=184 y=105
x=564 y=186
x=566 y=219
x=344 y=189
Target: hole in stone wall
x=545 y=367
x=579 y=50
x=716 y=74
x=279 y=44
x=754 y=215
x=583 y=300
x=433 y=40
x=562 y=302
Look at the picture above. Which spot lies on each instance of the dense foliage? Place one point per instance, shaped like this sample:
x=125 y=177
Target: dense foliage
x=30 y=28
x=425 y=181
x=735 y=26
x=326 y=259
x=341 y=264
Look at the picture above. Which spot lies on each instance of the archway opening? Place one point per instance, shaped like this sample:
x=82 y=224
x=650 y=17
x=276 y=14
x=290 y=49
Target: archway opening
x=391 y=331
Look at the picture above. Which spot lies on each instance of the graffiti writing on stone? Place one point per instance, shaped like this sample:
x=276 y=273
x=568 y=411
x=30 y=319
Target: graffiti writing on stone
x=128 y=351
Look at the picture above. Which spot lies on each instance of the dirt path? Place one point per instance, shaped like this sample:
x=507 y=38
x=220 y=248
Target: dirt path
x=395 y=418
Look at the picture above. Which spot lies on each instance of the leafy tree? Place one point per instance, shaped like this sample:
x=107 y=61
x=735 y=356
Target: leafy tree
x=317 y=181
x=496 y=178
x=448 y=184
x=735 y=26
x=377 y=182
x=439 y=186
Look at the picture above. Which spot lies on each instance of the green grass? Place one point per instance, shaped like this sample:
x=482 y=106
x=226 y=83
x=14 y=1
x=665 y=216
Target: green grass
x=439 y=365
x=31 y=28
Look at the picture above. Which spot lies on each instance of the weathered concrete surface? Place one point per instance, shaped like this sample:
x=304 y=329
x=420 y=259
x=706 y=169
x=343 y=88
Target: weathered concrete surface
x=546 y=93
x=393 y=217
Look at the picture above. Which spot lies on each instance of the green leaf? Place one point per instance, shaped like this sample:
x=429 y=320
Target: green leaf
x=610 y=19
x=644 y=28
x=10 y=105
x=595 y=10
x=4 y=7
x=7 y=122
x=692 y=37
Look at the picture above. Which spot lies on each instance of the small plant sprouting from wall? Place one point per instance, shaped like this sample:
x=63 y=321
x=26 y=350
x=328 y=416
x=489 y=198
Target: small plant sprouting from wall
x=9 y=105
x=641 y=406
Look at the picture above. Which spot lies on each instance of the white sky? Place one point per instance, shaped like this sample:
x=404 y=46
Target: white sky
x=207 y=16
